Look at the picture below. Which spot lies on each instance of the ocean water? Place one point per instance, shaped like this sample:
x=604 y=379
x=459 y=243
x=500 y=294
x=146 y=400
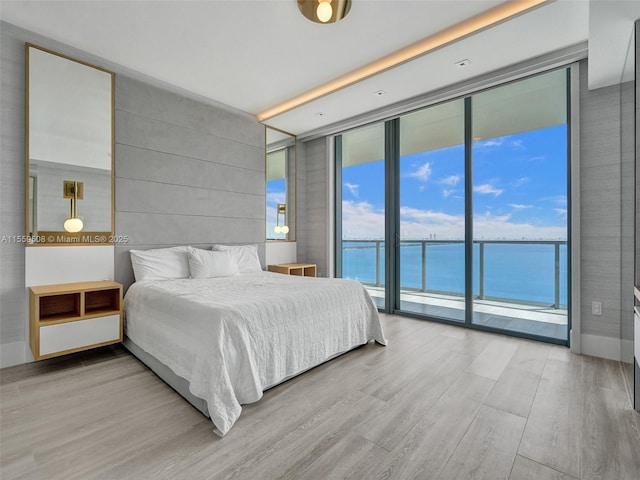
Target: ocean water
x=521 y=272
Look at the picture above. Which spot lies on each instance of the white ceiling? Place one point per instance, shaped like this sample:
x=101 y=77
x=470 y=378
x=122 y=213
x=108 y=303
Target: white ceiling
x=254 y=54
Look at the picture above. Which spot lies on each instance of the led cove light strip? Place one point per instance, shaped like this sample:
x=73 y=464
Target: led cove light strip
x=415 y=50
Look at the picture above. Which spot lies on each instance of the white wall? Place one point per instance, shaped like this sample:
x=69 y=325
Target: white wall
x=280 y=252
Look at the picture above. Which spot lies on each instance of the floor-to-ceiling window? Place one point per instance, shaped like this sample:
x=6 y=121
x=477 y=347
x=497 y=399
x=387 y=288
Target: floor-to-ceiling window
x=470 y=197
x=360 y=186
x=520 y=206
x=432 y=211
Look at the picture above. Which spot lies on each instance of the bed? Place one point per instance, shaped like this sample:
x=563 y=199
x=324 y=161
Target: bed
x=222 y=341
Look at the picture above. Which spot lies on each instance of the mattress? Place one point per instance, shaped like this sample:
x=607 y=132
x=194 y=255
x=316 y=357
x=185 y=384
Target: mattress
x=232 y=338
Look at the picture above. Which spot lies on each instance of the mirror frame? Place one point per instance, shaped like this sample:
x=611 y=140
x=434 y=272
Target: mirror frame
x=64 y=238
x=290 y=180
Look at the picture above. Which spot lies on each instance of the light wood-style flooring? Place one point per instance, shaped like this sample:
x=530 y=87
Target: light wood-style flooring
x=439 y=402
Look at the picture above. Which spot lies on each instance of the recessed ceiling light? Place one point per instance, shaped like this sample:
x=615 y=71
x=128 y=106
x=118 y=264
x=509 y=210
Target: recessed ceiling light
x=463 y=63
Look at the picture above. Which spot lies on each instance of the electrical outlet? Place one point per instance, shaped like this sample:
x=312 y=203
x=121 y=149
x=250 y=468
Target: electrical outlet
x=596 y=308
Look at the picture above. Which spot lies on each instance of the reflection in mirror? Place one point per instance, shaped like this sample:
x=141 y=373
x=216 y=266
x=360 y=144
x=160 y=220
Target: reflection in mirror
x=280 y=184
x=69 y=150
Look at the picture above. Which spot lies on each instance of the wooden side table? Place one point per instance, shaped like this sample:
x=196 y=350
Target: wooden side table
x=300 y=269
x=72 y=317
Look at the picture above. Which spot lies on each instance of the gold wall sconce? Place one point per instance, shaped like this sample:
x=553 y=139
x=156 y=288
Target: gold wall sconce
x=281 y=210
x=75 y=191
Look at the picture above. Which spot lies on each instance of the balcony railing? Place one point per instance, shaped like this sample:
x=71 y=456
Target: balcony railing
x=513 y=261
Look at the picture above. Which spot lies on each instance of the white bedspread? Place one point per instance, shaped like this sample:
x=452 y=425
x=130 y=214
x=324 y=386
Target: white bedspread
x=234 y=337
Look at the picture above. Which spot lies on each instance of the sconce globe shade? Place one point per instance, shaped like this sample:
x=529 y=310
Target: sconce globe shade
x=324 y=12
x=73 y=225
x=277 y=229
x=285 y=229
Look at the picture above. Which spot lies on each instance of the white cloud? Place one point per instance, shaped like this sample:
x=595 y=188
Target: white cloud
x=518 y=206
x=422 y=173
x=452 y=181
x=352 y=188
x=517 y=144
x=417 y=223
x=276 y=197
x=520 y=181
x=560 y=200
x=494 y=142
x=488 y=226
x=485 y=189
x=561 y=212
x=446 y=193
x=362 y=220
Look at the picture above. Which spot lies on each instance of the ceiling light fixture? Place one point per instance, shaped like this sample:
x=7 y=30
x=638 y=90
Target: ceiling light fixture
x=324 y=11
x=449 y=35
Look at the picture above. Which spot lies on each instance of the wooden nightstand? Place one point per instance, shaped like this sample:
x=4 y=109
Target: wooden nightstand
x=71 y=317
x=300 y=269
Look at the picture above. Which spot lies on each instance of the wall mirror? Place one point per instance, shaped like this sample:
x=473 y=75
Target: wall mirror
x=69 y=150
x=280 y=168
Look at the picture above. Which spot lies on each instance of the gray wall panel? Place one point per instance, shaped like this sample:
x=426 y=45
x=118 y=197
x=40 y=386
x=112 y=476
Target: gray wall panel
x=13 y=312
x=627 y=188
x=160 y=136
x=604 y=203
x=141 y=164
x=136 y=97
x=187 y=173
x=152 y=197
x=150 y=229
x=312 y=221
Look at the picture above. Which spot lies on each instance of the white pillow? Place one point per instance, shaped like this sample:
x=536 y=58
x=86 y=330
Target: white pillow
x=160 y=263
x=211 y=264
x=246 y=256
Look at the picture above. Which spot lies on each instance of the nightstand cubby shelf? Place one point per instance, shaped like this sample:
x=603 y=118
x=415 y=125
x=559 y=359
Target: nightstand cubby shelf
x=71 y=317
x=299 y=269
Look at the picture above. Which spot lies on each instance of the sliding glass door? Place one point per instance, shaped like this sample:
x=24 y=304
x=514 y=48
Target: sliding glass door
x=432 y=212
x=360 y=192
x=458 y=212
x=520 y=226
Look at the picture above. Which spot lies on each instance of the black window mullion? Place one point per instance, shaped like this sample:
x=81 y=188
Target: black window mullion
x=338 y=206
x=392 y=216
x=468 y=209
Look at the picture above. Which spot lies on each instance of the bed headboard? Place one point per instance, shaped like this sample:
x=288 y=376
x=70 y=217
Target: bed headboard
x=188 y=172
x=124 y=270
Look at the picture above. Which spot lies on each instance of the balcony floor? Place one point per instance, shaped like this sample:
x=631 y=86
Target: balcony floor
x=530 y=319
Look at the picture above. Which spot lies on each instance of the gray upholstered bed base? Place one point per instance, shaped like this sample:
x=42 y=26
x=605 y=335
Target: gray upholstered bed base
x=179 y=384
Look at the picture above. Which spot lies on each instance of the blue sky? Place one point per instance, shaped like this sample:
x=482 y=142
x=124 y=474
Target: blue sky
x=520 y=187
x=276 y=193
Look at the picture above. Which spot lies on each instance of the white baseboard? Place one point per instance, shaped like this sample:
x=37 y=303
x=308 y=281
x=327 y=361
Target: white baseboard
x=12 y=354
x=603 y=347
